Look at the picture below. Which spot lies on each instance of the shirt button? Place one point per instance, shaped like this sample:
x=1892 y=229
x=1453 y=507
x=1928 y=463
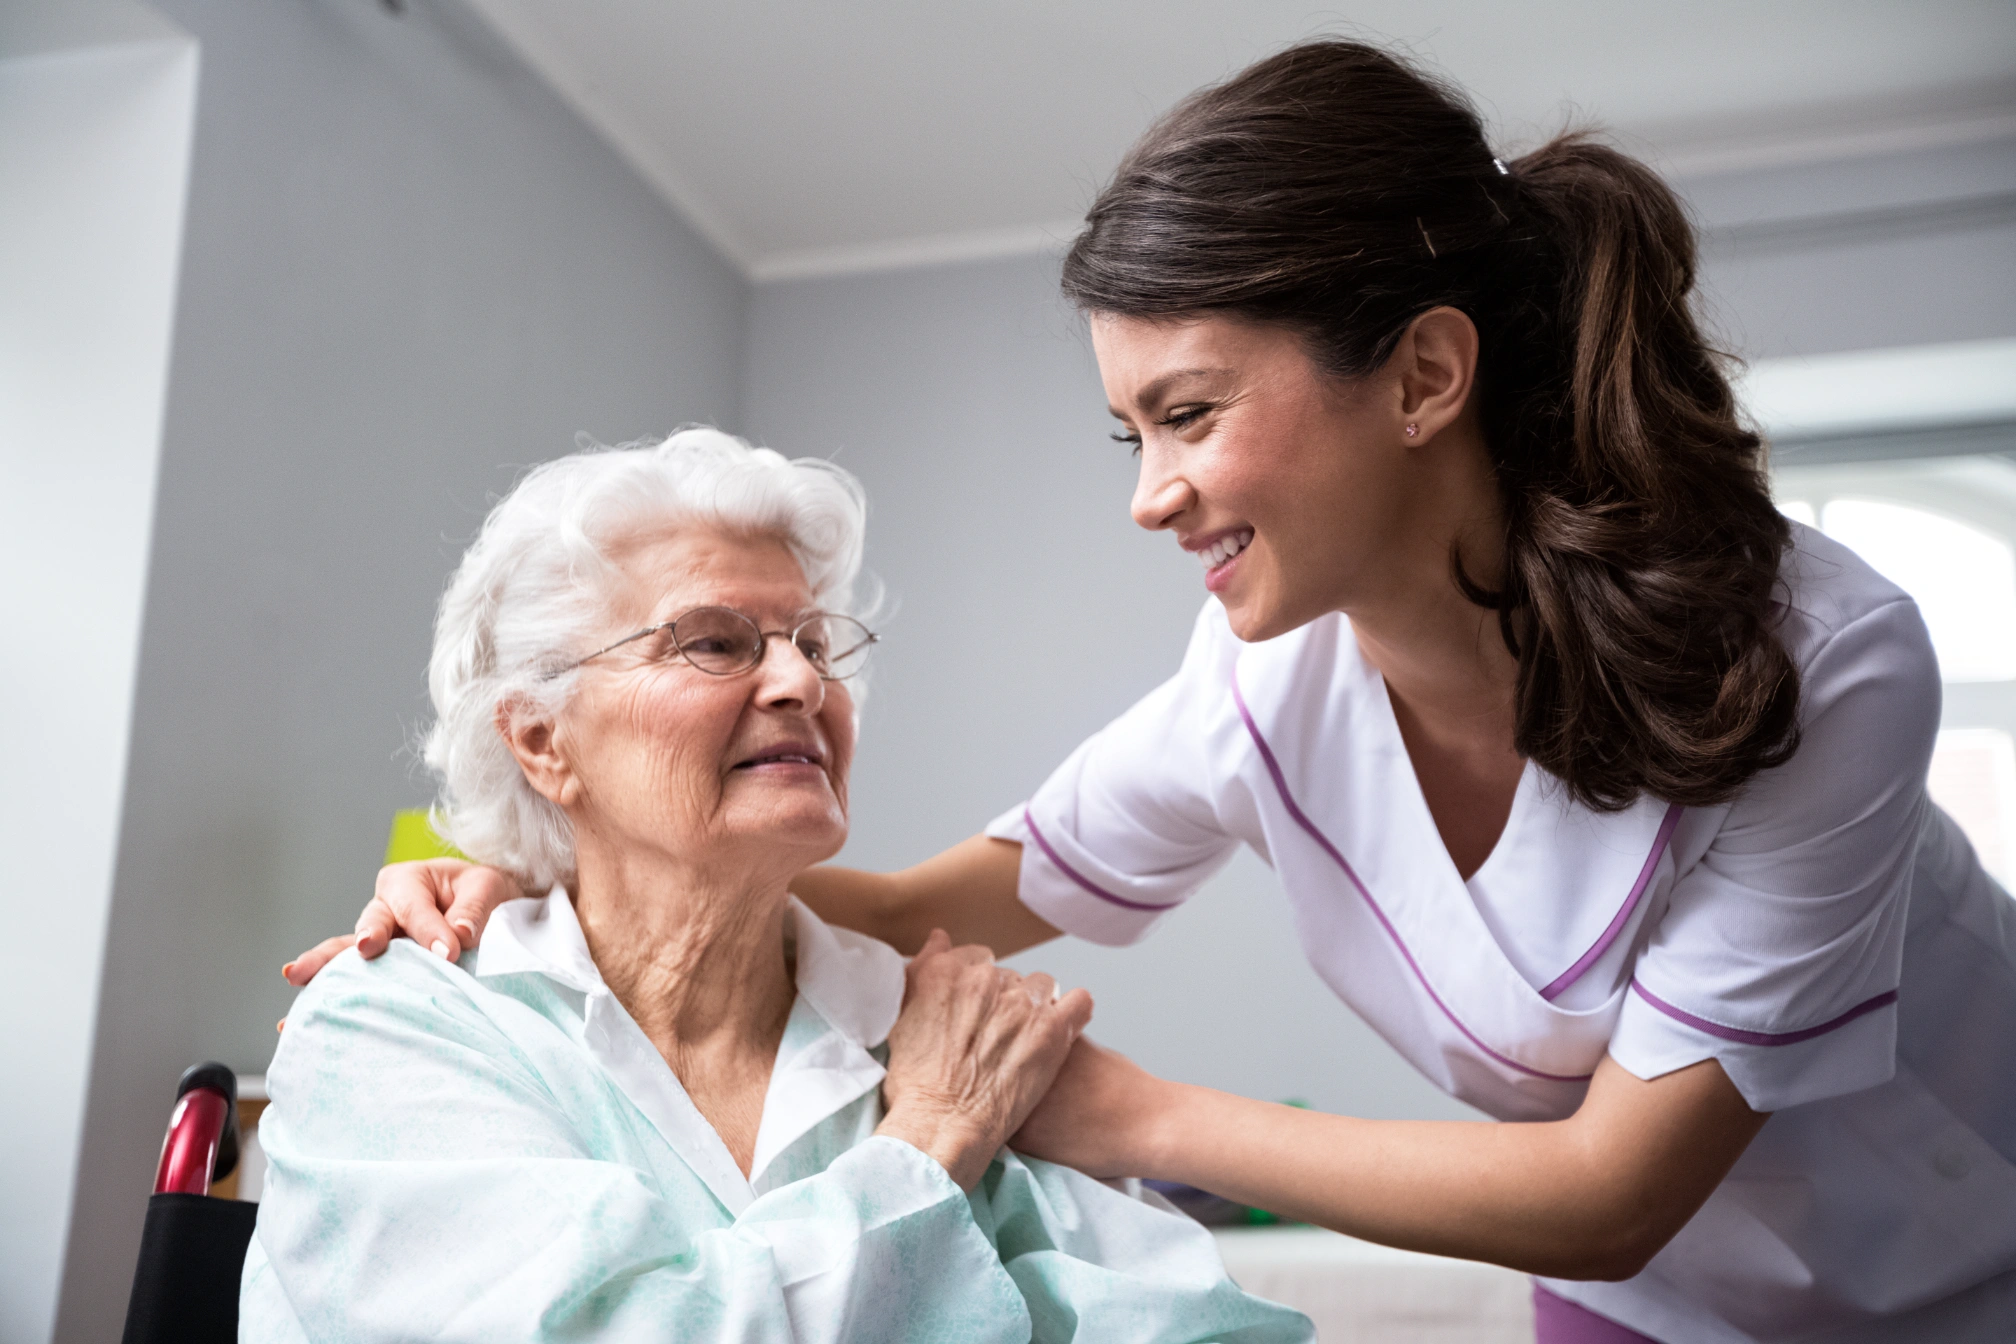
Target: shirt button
x=1950 y=1163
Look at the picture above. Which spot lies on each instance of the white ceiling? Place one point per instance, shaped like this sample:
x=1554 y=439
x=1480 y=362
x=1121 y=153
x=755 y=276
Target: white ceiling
x=814 y=136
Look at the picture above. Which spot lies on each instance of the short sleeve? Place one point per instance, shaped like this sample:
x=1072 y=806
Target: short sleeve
x=1127 y=828
x=1779 y=953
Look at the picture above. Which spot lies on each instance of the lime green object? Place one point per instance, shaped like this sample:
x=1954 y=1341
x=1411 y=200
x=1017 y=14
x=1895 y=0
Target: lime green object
x=413 y=838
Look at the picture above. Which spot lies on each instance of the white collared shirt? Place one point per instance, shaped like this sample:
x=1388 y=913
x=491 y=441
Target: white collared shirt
x=850 y=989
x=496 y=1152
x=1828 y=937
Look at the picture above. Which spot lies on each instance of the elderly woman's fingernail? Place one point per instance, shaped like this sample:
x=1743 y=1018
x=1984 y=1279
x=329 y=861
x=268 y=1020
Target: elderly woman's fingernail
x=466 y=929
x=439 y=949
x=287 y=971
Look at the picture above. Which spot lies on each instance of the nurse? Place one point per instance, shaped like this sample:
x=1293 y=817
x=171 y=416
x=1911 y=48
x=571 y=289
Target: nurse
x=1594 y=784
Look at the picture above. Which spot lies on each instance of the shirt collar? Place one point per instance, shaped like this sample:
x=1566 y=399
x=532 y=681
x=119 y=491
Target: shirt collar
x=850 y=983
x=541 y=935
x=853 y=981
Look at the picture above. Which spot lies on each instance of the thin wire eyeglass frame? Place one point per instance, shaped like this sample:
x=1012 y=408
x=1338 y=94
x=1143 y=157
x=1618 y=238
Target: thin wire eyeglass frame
x=762 y=645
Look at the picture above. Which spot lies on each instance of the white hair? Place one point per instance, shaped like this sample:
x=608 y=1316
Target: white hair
x=532 y=592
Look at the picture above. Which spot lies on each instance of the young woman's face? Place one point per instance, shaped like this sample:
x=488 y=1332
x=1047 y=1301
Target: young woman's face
x=1294 y=489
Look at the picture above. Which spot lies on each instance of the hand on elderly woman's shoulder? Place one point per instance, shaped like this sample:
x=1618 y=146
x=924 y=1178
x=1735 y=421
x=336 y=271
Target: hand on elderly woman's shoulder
x=975 y=1048
x=441 y=904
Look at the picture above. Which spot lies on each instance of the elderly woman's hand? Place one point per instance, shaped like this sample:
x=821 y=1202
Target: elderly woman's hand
x=974 y=1050
x=442 y=904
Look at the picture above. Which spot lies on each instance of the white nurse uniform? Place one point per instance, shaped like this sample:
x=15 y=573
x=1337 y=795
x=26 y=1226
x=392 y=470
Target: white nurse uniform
x=1829 y=937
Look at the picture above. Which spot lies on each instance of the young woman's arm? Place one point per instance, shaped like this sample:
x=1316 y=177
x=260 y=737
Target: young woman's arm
x=1594 y=1196
x=969 y=891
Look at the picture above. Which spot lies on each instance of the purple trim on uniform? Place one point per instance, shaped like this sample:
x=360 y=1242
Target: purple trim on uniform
x=1556 y=1320
x=1623 y=915
x=1029 y=820
x=1741 y=1037
x=1288 y=801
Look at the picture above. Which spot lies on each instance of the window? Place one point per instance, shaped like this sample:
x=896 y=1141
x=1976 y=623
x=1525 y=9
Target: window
x=1944 y=530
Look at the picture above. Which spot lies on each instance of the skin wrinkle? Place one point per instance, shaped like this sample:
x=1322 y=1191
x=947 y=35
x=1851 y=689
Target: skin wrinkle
x=685 y=853
x=683 y=859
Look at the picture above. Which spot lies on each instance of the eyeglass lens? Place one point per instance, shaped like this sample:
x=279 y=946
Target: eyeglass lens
x=722 y=641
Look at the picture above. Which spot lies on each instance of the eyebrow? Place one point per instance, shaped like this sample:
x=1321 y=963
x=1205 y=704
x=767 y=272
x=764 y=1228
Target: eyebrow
x=796 y=615
x=1160 y=387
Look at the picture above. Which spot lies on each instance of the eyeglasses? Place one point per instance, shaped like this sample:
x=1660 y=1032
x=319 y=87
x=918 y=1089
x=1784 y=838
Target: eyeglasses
x=721 y=642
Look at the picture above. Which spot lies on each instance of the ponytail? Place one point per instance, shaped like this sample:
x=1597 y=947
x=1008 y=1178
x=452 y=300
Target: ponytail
x=1336 y=190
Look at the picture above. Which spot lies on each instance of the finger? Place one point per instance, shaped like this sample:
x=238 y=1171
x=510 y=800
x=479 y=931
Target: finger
x=377 y=926
x=972 y=954
x=304 y=967
x=1075 y=1009
x=477 y=893
x=928 y=956
x=413 y=893
x=1042 y=989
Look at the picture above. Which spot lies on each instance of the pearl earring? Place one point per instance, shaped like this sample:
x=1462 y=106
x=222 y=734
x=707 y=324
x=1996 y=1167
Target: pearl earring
x=1412 y=430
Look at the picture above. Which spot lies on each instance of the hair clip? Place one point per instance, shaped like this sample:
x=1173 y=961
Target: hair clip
x=1499 y=164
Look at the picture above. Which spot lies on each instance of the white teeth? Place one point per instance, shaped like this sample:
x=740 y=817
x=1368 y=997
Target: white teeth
x=1218 y=552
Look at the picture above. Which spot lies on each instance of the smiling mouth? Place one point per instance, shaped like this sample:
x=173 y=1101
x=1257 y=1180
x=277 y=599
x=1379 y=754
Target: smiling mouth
x=782 y=756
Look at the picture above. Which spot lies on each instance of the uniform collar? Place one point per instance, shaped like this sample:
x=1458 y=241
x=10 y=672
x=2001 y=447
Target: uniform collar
x=850 y=989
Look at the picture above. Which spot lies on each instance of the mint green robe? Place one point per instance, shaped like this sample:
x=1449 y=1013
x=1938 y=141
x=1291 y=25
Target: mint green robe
x=495 y=1152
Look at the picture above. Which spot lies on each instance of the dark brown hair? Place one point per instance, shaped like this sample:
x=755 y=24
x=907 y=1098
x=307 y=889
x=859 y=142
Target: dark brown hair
x=1340 y=192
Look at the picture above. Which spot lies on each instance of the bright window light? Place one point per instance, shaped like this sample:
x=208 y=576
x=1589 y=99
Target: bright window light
x=1964 y=579
x=1799 y=511
x=1974 y=779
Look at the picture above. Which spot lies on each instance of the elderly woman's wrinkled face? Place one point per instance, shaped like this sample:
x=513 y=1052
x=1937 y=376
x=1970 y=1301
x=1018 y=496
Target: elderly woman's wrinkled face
x=659 y=755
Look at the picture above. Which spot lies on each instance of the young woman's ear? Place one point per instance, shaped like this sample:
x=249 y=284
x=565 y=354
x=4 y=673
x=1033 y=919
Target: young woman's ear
x=535 y=742
x=1434 y=366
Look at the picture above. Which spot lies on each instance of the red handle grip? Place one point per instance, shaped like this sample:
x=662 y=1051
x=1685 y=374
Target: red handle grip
x=189 y=1154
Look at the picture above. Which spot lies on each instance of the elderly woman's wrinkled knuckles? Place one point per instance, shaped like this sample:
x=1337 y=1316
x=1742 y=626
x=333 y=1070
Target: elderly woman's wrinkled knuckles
x=984 y=1034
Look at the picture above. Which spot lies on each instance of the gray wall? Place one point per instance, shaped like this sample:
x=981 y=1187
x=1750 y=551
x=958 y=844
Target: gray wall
x=1904 y=248
x=407 y=268
x=1032 y=610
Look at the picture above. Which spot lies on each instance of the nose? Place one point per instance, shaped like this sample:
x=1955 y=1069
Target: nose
x=786 y=679
x=1161 y=494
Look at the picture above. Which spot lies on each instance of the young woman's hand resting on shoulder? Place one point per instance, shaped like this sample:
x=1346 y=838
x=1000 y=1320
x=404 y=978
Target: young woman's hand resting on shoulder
x=442 y=904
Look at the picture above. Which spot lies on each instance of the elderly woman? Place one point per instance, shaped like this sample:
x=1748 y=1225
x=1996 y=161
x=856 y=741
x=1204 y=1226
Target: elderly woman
x=666 y=1101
